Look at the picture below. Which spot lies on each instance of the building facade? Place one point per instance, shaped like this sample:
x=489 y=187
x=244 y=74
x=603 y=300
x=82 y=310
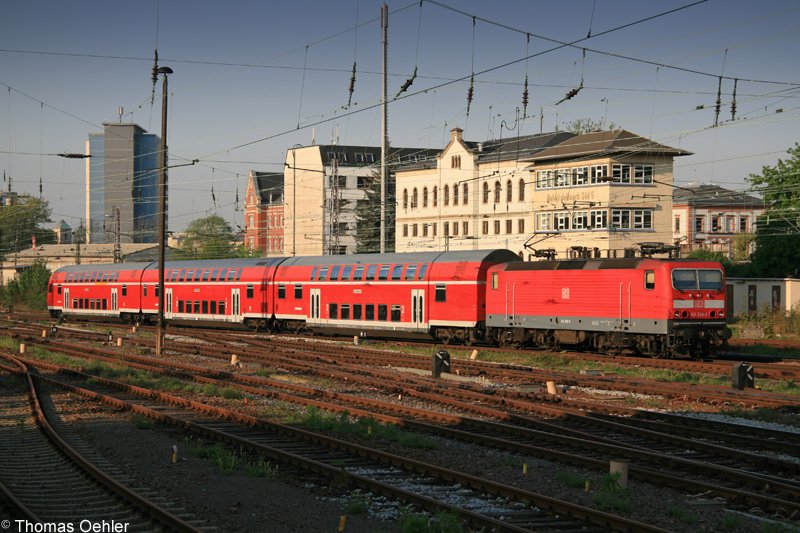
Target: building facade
x=706 y=216
x=263 y=213
x=122 y=181
x=554 y=195
x=322 y=187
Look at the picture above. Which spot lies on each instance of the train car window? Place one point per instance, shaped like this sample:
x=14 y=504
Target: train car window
x=249 y=291
x=105 y=304
x=180 y=306
x=333 y=311
x=205 y=307
x=190 y=274
x=397 y=272
x=423 y=269
x=214 y=274
x=231 y=274
x=91 y=303
x=197 y=307
x=238 y=274
x=710 y=279
x=313 y=273
x=206 y=274
x=157 y=291
x=144 y=290
x=86 y=303
x=74 y=303
x=370 y=309
x=371 y=269
x=441 y=293
x=124 y=290
x=382 y=311
x=356 y=311
x=335 y=272
x=323 y=274
x=649 y=280
x=395 y=313
x=213 y=305
x=411 y=272
x=222 y=308
x=281 y=291
x=298 y=292
x=221 y=274
x=358 y=275
x=182 y=275
x=383 y=273
x=59 y=289
x=346 y=272
x=345 y=312
x=495 y=280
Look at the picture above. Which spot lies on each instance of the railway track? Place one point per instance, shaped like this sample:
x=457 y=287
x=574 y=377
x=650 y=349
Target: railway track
x=483 y=503
x=47 y=479
x=657 y=455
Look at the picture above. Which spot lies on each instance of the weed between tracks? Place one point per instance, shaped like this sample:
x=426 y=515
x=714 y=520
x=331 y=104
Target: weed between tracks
x=318 y=420
x=229 y=461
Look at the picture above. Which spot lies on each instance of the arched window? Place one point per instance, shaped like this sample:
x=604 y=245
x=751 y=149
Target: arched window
x=485 y=193
x=455 y=194
x=521 y=190
x=405 y=198
x=509 y=192
x=497 y=189
x=435 y=196
x=465 y=193
x=446 y=198
x=424 y=197
x=414 y=199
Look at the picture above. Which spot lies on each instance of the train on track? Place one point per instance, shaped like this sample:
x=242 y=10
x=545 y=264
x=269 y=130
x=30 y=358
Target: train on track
x=647 y=306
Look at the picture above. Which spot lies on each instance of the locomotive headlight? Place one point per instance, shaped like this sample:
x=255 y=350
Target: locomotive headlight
x=677 y=314
x=721 y=314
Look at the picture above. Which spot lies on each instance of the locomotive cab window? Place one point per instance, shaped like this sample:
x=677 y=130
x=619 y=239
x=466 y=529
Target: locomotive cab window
x=441 y=293
x=688 y=279
x=649 y=280
x=495 y=280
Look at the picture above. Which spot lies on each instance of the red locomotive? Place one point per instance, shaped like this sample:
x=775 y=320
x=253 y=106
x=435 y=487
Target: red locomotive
x=650 y=306
x=645 y=305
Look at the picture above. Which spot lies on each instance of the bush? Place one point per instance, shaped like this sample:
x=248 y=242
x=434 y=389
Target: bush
x=28 y=289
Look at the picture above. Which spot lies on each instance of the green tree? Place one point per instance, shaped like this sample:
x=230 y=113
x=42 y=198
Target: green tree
x=22 y=221
x=28 y=289
x=368 y=216
x=209 y=238
x=778 y=235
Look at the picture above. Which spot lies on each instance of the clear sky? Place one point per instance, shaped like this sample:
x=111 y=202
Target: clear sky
x=252 y=78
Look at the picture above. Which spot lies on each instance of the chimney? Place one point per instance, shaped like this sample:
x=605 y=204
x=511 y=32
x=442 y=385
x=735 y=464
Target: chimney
x=456 y=134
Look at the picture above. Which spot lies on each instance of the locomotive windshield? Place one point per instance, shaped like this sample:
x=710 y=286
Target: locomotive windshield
x=694 y=279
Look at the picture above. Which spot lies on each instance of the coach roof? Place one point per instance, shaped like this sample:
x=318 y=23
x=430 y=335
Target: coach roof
x=494 y=256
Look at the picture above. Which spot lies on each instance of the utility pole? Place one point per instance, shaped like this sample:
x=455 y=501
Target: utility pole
x=384 y=121
x=162 y=210
x=117 y=240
